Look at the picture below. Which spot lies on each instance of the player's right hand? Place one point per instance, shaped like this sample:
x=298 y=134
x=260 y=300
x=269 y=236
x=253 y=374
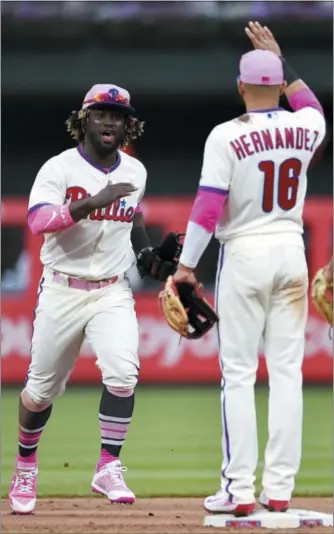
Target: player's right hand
x=112 y=192
x=262 y=38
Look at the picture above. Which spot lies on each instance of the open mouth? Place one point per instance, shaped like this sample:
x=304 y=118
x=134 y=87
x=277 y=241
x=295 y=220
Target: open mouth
x=108 y=136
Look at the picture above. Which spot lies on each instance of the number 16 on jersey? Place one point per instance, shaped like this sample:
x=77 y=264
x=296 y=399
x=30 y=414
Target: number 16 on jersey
x=287 y=175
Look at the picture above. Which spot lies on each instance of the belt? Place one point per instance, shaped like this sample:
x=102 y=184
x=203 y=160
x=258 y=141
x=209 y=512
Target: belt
x=78 y=283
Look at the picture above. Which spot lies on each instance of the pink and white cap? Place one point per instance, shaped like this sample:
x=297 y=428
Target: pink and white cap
x=261 y=67
x=108 y=94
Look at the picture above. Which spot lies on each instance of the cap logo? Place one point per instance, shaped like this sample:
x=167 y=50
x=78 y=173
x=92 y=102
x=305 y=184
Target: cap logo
x=265 y=79
x=113 y=95
x=116 y=97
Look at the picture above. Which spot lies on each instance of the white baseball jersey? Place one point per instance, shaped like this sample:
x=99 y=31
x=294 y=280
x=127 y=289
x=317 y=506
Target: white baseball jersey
x=262 y=158
x=99 y=246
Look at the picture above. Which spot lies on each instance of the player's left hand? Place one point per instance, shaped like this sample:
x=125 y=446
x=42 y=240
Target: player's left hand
x=160 y=262
x=149 y=263
x=262 y=38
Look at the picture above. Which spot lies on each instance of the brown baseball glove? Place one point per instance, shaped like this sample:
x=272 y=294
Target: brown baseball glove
x=322 y=296
x=186 y=310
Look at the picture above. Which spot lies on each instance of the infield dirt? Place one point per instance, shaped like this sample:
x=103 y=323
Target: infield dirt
x=151 y=516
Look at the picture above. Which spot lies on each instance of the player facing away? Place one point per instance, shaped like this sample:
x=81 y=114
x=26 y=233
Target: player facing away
x=85 y=201
x=251 y=195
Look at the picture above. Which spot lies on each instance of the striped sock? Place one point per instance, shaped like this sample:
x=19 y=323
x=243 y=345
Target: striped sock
x=114 y=418
x=113 y=433
x=30 y=432
x=28 y=441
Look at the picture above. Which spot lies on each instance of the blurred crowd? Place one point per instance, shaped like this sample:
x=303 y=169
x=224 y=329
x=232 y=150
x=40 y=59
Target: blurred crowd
x=122 y=10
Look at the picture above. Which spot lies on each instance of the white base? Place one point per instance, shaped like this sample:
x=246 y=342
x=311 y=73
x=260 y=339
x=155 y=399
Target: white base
x=294 y=518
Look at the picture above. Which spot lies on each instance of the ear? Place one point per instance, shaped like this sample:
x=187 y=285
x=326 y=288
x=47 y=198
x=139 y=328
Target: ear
x=241 y=88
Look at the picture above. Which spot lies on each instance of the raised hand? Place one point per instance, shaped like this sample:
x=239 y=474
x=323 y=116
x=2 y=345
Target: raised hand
x=112 y=192
x=262 y=38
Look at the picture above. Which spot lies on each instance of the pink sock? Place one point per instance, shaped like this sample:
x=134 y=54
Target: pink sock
x=106 y=457
x=31 y=459
x=28 y=442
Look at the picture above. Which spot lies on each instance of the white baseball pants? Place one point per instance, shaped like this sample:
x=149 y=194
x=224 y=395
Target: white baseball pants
x=63 y=317
x=261 y=293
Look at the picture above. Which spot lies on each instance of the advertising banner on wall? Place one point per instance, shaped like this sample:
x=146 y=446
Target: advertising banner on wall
x=164 y=358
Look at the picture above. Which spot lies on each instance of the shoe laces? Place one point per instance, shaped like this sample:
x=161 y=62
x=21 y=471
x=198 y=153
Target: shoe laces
x=25 y=481
x=116 y=473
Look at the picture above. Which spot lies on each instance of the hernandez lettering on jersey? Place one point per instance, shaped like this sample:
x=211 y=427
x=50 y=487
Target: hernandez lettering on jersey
x=99 y=246
x=261 y=159
x=264 y=140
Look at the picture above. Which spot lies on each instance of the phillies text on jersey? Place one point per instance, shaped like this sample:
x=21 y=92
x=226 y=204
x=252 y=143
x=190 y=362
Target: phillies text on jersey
x=99 y=246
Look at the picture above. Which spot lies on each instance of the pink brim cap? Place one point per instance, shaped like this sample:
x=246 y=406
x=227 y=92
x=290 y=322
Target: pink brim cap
x=261 y=67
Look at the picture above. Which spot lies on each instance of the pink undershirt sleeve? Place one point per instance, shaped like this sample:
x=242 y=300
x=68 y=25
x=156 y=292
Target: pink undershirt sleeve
x=208 y=207
x=206 y=212
x=49 y=218
x=138 y=209
x=303 y=99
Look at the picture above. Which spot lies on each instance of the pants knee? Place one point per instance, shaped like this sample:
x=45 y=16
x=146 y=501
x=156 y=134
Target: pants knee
x=122 y=379
x=235 y=378
x=42 y=394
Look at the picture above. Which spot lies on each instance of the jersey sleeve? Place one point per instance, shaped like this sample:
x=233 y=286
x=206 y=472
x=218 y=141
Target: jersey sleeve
x=142 y=185
x=315 y=121
x=217 y=163
x=141 y=194
x=49 y=186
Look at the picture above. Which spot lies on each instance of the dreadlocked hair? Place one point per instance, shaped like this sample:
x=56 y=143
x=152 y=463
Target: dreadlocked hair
x=134 y=128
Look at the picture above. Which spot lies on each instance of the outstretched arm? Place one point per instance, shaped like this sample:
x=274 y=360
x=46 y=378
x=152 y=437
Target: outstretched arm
x=297 y=92
x=209 y=204
x=299 y=95
x=207 y=210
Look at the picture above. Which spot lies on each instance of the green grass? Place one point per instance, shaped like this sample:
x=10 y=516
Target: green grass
x=173 y=446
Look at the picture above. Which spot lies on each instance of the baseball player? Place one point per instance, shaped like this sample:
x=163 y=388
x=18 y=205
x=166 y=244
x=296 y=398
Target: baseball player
x=251 y=195
x=86 y=203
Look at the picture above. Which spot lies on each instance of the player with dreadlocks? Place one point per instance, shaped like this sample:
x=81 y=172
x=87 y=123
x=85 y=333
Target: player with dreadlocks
x=86 y=203
x=75 y=126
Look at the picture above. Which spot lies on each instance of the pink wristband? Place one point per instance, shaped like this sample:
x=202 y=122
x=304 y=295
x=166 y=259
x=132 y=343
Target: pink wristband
x=49 y=218
x=303 y=99
x=208 y=207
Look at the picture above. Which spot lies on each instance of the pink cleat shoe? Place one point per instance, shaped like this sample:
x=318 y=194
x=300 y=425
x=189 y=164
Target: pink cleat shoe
x=22 y=493
x=108 y=480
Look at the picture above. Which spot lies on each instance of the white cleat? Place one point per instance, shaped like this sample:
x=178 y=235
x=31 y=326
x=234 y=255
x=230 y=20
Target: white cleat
x=108 y=480
x=220 y=504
